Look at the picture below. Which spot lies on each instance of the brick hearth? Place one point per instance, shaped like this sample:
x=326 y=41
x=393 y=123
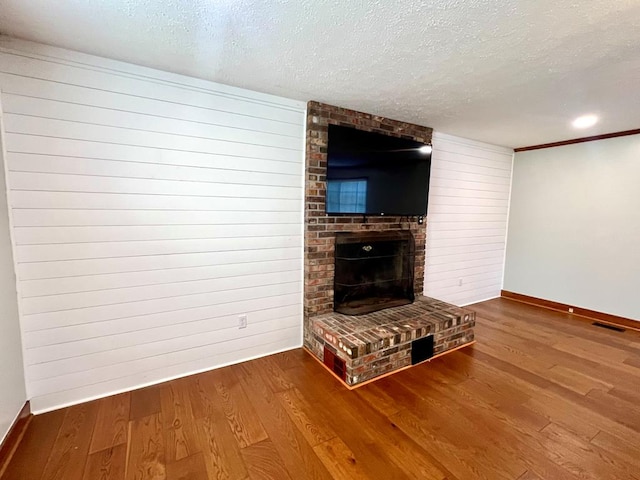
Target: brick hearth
x=376 y=343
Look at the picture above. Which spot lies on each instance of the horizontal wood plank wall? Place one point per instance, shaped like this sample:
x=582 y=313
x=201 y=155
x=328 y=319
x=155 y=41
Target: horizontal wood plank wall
x=149 y=211
x=467 y=219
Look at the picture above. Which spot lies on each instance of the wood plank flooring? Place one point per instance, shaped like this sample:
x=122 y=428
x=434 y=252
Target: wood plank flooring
x=540 y=395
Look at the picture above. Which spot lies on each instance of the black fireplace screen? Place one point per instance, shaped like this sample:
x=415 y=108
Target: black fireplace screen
x=374 y=270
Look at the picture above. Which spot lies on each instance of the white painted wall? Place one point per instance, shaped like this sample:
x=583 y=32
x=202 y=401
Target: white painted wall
x=467 y=219
x=574 y=226
x=12 y=388
x=149 y=210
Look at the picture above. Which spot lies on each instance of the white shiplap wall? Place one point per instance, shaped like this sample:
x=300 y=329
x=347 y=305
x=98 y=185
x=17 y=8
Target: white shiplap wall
x=149 y=211
x=467 y=219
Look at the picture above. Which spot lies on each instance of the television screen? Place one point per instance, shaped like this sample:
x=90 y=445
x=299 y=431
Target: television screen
x=374 y=174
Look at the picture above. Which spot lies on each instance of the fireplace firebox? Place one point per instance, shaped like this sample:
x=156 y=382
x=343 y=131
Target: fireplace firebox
x=373 y=271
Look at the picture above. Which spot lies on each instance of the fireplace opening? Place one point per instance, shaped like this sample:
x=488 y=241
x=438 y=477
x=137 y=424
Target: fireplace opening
x=373 y=271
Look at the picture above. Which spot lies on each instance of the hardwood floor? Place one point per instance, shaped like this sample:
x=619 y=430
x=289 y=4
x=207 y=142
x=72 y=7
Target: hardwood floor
x=539 y=396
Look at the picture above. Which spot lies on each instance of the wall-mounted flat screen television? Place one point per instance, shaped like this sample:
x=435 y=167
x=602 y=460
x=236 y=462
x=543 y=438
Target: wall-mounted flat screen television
x=373 y=174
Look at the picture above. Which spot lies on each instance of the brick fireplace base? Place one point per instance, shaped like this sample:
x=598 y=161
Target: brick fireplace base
x=360 y=348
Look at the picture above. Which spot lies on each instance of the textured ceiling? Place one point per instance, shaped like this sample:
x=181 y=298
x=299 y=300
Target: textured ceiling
x=508 y=72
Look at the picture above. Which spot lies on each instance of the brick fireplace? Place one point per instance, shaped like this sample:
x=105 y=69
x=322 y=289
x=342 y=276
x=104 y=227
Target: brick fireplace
x=373 y=343
x=320 y=229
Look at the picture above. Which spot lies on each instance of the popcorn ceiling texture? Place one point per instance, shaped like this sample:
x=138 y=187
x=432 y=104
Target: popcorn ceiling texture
x=507 y=72
x=320 y=228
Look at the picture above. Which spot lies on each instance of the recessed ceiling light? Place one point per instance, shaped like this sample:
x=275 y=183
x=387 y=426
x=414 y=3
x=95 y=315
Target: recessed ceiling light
x=425 y=149
x=585 y=121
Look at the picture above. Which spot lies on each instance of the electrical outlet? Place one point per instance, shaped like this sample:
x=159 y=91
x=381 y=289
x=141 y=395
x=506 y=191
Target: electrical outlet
x=242 y=321
x=570 y=310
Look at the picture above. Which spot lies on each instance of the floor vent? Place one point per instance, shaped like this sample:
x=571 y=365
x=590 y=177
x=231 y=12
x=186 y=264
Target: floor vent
x=610 y=327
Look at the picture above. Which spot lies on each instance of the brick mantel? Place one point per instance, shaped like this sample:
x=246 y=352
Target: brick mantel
x=320 y=228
